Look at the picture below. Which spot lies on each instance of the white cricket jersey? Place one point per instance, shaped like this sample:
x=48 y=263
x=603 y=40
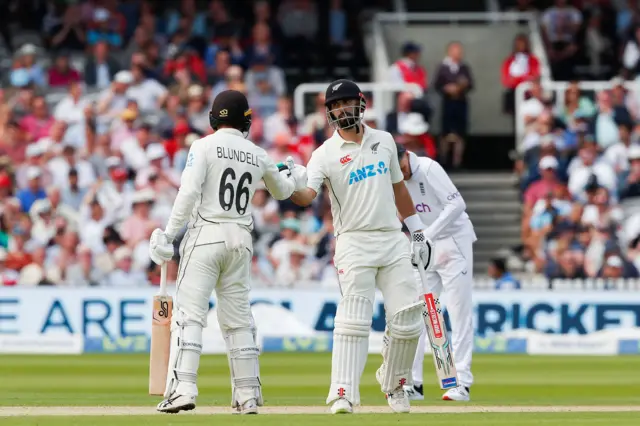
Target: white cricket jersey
x=222 y=173
x=359 y=179
x=437 y=200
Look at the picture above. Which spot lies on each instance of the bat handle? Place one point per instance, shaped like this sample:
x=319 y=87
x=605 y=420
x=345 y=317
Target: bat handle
x=163 y=279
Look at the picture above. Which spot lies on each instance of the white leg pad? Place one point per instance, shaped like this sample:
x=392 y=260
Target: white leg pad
x=399 y=347
x=184 y=358
x=243 y=355
x=352 y=326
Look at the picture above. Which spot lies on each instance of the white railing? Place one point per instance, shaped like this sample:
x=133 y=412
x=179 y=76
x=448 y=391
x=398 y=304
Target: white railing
x=377 y=90
x=381 y=63
x=558 y=88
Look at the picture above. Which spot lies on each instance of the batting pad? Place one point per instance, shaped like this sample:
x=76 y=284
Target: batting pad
x=352 y=326
x=184 y=358
x=399 y=347
x=243 y=355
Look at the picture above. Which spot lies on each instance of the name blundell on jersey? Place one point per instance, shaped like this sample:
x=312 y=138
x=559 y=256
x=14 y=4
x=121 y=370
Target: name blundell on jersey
x=236 y=155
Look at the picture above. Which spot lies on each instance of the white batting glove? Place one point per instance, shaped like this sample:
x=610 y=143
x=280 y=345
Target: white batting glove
x=160 y=249
x=299 y=176
x=421 y=251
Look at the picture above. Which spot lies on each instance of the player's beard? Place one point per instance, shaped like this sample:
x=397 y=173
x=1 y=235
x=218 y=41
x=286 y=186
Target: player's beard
x=344 y=118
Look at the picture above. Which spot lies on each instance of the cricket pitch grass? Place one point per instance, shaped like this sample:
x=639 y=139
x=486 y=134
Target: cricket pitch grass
x=509 y=390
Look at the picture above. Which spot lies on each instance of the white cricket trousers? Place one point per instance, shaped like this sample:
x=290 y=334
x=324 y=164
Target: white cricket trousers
x=453 y=273
x=207 y=265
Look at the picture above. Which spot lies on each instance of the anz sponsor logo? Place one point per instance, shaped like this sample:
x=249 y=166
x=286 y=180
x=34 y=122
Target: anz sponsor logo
x=368 y=171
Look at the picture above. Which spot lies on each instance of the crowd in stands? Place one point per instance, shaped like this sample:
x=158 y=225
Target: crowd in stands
x=580 y=151
x=97 y=117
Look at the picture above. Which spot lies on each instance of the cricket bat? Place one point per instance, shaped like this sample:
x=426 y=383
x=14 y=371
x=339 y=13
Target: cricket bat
x=160 y=337
x=438 y=338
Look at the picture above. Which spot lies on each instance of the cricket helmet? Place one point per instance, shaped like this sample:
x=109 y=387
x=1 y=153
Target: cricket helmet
x=231 y=108
x=344 y=116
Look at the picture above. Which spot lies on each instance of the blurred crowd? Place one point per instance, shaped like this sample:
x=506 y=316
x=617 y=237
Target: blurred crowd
x=97 y=116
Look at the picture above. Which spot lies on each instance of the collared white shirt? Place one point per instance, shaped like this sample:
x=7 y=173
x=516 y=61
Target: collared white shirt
x=437 y=200
x=360 y=180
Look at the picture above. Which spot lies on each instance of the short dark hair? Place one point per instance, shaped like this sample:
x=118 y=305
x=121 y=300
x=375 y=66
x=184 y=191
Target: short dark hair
x=499 y=264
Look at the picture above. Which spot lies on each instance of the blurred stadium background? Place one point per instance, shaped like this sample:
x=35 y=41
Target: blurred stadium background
x=533 y=107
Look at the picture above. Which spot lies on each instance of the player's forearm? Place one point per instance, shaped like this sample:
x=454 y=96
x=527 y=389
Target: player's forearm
x=404 y=203
x=181 y=211
x=304 y=197
x=281 y=189
x=449 y=214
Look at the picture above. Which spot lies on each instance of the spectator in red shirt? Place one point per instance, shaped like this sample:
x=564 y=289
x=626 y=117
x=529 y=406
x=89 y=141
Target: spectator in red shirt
x=187 y=59
x=518 y=67
x=61 y=74
x=537 y=190
x=37 y=124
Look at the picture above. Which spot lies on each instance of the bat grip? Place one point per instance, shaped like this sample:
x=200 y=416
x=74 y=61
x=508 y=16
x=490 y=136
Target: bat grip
x=163 y=279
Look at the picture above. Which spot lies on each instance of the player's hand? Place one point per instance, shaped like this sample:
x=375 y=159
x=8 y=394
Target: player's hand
x=299 y=176
x=421 y=250
x=160 y=249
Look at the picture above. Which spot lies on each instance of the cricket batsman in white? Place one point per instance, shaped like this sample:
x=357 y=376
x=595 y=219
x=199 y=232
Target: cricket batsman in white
x=441 y=207
x=222 y=173
x=359 y=166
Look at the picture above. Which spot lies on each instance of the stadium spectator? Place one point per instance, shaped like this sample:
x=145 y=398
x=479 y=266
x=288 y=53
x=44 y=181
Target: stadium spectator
x=504 y=280
x=561 y=24
x=630 y=186
x=69 y=34
x=262 y=46
x=415 y=138
x=606 y=119
x=453 y=81
x=588 y=170
x=408 y=69
x=105 y=27
x=148 y=93
x=280 y=121
x=124 y=275
x=26 y=60
x=8 y=276
x=517 y=68
x=33 y=191
x=61 y=74
x=100 y=68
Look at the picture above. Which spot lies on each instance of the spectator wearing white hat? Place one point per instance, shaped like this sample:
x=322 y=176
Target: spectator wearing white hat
x=116 y=193
x=44 y=225
x=296 y=271
x=59 y=167
x=147 y=92
x=8 y=277
x=124 y=276
x=26 y=59
x=586 y=165
x=157 y=166
x=547 y=183
x=35 y=156
x=197 y=109
x=113 y=100
x=95 y=219
x=139 y=225
x=33 y=191
x=415 y=138
x=81 y=272
x=71 y=111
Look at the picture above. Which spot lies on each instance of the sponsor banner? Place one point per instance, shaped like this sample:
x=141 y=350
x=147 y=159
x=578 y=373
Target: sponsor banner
x=40 y=344
x=629 y=347
x=122 y=313
x=596 y=344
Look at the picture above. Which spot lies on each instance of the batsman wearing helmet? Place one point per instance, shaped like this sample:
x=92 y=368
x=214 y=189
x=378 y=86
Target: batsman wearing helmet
x=222 y=173
x=359 y=167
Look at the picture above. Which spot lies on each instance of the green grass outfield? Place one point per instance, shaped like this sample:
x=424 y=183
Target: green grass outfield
x=302 y=380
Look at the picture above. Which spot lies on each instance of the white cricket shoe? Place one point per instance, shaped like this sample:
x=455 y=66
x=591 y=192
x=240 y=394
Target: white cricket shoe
x=341 y=406
x=414 y=393
x=249 y=407
x=398 y=401
x=460 y=393
x=176 y=403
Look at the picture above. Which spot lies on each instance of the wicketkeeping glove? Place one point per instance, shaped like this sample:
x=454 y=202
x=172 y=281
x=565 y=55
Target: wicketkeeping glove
x=160 y=249
x=421 y=250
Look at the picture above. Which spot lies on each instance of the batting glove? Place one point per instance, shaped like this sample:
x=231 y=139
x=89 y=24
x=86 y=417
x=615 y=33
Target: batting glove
x=160 y=249
x=421 y=250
